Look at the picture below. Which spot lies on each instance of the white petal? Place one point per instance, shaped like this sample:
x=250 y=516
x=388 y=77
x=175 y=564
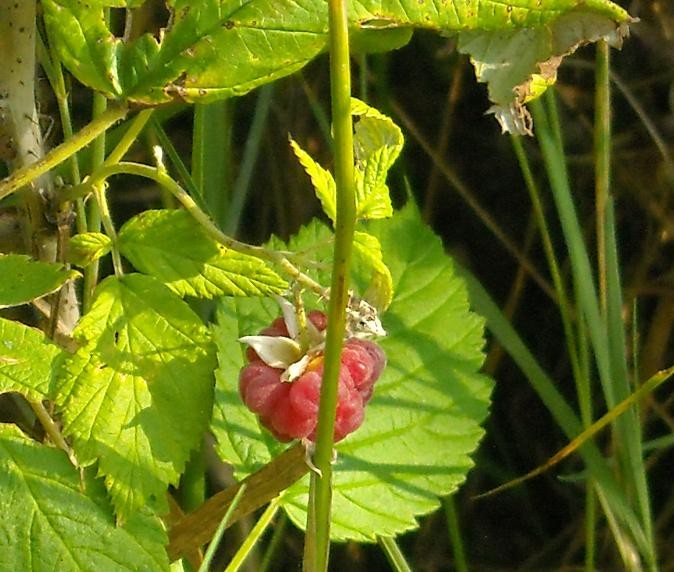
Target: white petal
x=275 y=351
x=289 y=316
x=295 y=370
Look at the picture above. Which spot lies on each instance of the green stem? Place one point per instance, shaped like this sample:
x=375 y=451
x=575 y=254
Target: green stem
x=161 y=177
x=460 y=563
x=274 y=543
x=602 y=157
x=100 y=104
x=217 y=537
x=108 y=225
x=52 y=430
x=56 y=156
x=565 y=308
x=255 y=534
x=129 y=138
x=251 y=152
x=395 y=556
x=317 y=542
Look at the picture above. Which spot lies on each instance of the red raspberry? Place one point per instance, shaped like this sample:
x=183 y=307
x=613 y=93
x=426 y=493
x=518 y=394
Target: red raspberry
x=378 y=357
x=279 y=324
x=289 y=423
x=365 y=361
x=305 y=392
x=261 y=388
x=350 y=414
x=318 y=319
x=289 y=410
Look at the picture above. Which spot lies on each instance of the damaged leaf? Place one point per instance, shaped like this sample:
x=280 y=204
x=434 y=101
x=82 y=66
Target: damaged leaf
x=214 y=49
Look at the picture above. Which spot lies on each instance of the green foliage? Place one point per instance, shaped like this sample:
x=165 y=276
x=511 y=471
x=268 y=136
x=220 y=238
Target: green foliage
x=26 y=358
x=25 y=279
x=264 y=40
x=171 y=246
x=84 y=248
x=377 y=143
x=423 y=421
x=368 y=256
x=55 y=518
x=137 y=395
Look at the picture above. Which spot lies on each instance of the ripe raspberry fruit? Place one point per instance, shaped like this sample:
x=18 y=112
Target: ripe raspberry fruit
x=287 y=400
x=365 y=361
x=261 y=388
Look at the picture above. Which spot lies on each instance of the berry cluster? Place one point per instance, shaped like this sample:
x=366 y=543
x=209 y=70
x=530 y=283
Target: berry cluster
x=289 y=409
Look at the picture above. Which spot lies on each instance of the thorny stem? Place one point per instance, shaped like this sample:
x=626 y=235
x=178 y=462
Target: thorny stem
x=161 y=177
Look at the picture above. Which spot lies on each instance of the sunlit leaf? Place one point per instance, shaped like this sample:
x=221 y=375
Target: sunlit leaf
x=321 y=179
x=215 y=49
x=84 y=248
x=423 y=422
x=377 y=144
x=53 y=520
x=137 y=395
x=26 y=360
x=173 y=247
x=25 y=279
x=367 y=252
x=515 y=62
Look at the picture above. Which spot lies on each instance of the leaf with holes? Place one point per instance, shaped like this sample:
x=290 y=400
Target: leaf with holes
x=424 y=420
x=215 y=49
x=53 y=518
x=173 y=247
x=137 y=395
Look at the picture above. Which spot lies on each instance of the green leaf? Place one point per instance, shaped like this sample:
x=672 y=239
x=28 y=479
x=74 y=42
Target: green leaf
x=84 y=248
x=137 y=395
x=52 y=520
x=117 y=3
x=321 y=179
x=173 y=247
x=80 y=35
x=367 y=252
x=26 y=360
x=215 y=49
x=424 y=419
x=377 y=144
x=25 y=279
